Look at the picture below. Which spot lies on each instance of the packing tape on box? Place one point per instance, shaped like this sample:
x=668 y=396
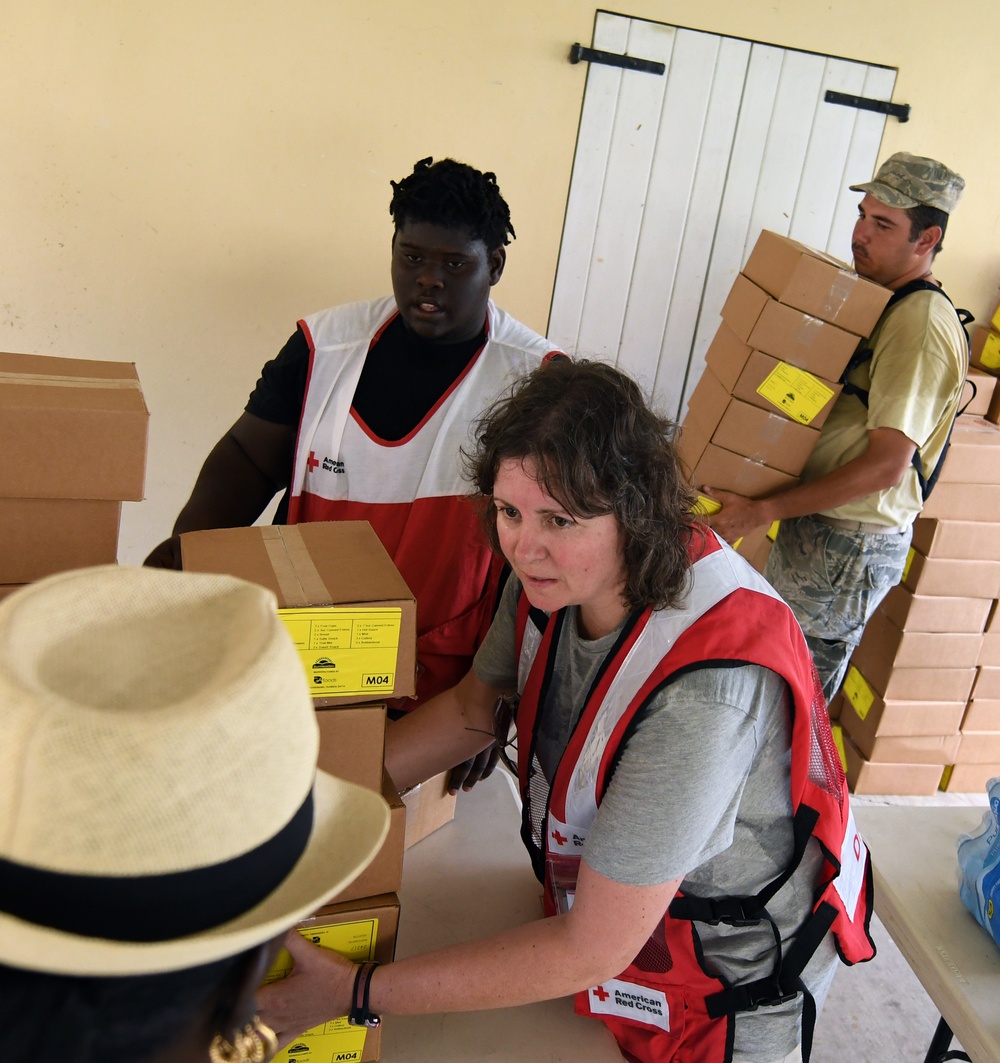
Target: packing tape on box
x=839 y=292
x=45 y=381
x=297 y=576
x=809 y=331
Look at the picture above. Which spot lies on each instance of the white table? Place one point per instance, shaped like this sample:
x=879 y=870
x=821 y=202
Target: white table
x=468 y=879
x=916 y=897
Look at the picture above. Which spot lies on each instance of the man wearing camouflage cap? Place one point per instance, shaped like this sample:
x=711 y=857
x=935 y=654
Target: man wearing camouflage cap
x=845 y=529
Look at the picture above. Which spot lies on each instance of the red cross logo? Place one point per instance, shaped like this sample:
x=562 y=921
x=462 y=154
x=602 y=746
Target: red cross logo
x=601 y=993
x=560 y=840
x=312 y=461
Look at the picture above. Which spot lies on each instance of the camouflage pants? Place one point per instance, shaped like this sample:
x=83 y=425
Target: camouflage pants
x=834 y=579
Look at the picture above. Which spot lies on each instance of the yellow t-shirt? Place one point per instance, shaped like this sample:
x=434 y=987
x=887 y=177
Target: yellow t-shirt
x=914 y=379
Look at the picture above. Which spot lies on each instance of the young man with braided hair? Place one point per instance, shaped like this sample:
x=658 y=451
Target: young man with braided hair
x=363 y=413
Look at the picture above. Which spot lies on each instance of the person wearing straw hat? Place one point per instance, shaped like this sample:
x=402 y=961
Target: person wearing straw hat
x=148 y=871
x=846 y=528
x=683 y=802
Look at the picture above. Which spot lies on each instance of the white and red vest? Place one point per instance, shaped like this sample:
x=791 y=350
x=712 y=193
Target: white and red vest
x=410 y=490
x=665 y=1006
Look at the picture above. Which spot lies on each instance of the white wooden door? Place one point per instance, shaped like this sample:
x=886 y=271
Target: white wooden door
x=675 y=175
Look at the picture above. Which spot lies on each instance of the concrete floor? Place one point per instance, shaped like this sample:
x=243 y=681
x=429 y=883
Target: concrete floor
x=878 y=1012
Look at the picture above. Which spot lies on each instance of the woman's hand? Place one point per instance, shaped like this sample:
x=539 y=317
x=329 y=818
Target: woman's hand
x=317 y=990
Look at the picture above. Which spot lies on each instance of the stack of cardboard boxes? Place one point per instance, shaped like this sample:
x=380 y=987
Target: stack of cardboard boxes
x=353 y=620
x=791 y=322
x=73 y=440
x=921 y=700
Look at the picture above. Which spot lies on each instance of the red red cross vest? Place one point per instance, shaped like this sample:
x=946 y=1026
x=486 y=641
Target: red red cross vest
x=665 y=1005
x=412 y=490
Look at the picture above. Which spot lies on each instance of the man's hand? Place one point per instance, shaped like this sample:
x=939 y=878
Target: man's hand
x=465 y=775
x=317 y=990
x=738 y=515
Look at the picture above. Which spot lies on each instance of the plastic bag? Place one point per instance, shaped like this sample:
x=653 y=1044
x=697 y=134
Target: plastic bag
x=979 y=864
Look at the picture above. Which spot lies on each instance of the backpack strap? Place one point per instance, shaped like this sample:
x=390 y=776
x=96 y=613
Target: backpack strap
x=864 y=354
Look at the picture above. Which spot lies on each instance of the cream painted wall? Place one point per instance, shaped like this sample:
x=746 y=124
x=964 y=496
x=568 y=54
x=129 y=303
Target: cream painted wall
x=181 y=182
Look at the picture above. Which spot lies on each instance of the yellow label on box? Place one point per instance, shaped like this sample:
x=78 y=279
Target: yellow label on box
x=858 y=692
x=336 y=1040
x=350 y=651
x=945 y=776
x=798 y=394
x=990 y=354
x=838 y=741
x=705 y=507
x=772 y=532
x=910 y=555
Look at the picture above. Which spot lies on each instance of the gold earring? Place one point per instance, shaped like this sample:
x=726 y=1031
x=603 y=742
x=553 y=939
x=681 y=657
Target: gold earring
x=255 y=1043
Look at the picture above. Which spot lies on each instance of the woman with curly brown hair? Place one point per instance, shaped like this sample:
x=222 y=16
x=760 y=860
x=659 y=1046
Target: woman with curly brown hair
x=682 y=799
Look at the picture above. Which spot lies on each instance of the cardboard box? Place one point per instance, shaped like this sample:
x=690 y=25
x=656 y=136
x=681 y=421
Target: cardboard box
x=774 y=328
x=733 y=472
x=815 y=283
x=385 y=873
x=974 y=454
x=71 y=428
x=911 y=684
x=428 y=807
x=743 y=306
x=993 y=413
x=986 y=349
x=765 y=436
x=865 y=777
x=993 y=620
x=868 y=716
x=907 y=749
x=708 y=402
x=364 y=930
x=40 y=536
x=977 y=395
x=803 y=340
x=972 y=502
x=950 y=577
x=351 y=615
x=727 y=355
x=978 y=747
x=919 y=649
x=982 y=714
x=352 y=743
x=836 y=706
x=772 y=384
x=691 y=443
x=962 y=540
x=915 y=612
x=989 y=652
x=968 y=778
x=987 y=684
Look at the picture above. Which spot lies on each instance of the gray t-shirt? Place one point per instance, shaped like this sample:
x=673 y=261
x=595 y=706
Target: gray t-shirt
x=701 y=792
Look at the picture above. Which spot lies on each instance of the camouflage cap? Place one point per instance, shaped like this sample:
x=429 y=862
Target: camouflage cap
x=905 y=180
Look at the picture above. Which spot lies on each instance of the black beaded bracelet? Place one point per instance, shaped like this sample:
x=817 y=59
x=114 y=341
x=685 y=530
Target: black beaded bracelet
x=359 y=1014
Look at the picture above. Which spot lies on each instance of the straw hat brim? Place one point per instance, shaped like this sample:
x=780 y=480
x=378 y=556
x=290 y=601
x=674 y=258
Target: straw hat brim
x=349 y=825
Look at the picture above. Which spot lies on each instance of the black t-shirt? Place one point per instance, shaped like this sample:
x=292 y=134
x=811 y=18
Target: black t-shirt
x=402 y=380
